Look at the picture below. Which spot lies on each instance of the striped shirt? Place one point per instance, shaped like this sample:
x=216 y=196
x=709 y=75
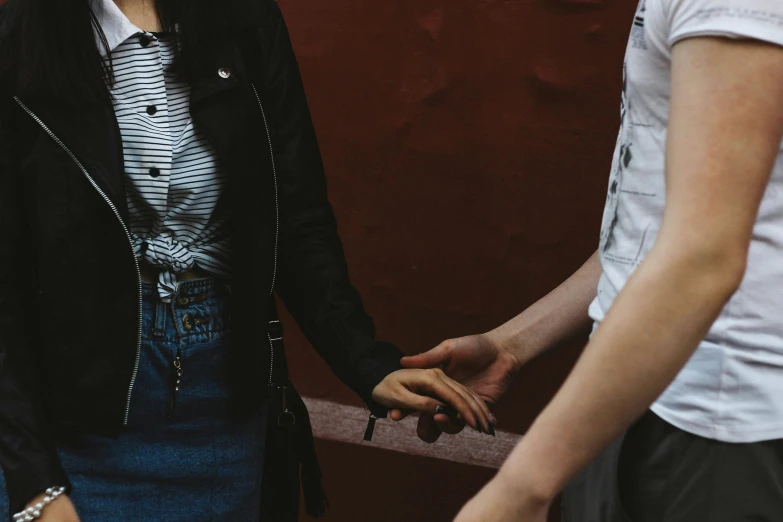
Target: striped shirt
x=173 y=180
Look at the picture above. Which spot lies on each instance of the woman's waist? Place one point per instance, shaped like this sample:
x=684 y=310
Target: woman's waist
x=151 y=273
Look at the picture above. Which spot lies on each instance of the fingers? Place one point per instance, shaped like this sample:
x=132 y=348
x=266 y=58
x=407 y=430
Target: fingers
x=436 y=383
x=476 y=403
x=435 y=358
x=432 y=425
x=398 y=415
x=450 y=425
x=394 y=392
x=486 y=415
x=442 y=422
x=427 y=429
x=430 y=431
x=485 y=407
x=405 y=399
x=491 y=415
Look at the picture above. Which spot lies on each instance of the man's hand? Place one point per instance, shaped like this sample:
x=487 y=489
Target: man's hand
x=503 y=501
x=479 y=362
x=488 y=363
x=60 y=510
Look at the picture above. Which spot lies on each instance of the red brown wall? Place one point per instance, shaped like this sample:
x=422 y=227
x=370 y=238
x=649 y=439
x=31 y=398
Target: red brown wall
x=467 y=145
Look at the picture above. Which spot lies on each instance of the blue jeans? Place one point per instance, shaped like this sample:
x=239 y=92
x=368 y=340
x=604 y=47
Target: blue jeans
x=182 y=457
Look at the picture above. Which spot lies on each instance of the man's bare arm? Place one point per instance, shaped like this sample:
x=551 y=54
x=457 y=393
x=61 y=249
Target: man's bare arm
x=725 y=128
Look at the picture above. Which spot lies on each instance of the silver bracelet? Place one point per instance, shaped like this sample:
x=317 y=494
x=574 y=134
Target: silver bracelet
x=34 y=512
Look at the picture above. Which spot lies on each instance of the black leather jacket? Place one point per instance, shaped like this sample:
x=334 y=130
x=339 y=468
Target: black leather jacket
x=69 y=283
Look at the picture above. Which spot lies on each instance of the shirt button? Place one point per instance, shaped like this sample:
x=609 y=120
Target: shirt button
x=151 y=110
x=154 y=172
x=224 y=72
x=145 y=40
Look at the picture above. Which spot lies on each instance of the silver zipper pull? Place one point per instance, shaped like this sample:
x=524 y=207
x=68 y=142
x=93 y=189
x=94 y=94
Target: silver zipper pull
x=370 y=428
x=177 y=382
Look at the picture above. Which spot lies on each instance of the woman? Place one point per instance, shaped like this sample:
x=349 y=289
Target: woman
x=160 y=181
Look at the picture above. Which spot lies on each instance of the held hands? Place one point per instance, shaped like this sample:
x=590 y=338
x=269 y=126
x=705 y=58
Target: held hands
x=479 y=362
x=404 y=391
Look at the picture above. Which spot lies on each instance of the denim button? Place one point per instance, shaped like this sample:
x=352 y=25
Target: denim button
x=183 y=301
x=224 y=72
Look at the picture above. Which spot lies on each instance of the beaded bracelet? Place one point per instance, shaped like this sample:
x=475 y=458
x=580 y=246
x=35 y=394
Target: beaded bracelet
x=34 y=512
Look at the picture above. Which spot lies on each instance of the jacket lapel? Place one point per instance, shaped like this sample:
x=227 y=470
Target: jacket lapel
x=92 y=135
x=222 y=105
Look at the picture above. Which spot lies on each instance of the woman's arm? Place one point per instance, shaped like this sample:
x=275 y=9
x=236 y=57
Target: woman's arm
x=27 y=455
x=725 y=130
x=313 y=274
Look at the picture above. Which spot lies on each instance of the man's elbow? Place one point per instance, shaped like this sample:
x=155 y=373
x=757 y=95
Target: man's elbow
x=708 y=267
x=727 y=271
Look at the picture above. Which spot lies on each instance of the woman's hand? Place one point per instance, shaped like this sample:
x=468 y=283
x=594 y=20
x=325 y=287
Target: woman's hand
x=431 y=391
x=60 y=510
x=500 y=501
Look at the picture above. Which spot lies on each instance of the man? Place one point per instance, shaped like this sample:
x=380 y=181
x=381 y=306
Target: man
x=674 y=412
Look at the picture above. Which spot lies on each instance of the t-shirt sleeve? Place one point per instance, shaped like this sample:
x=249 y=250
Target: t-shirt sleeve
x=751 y=19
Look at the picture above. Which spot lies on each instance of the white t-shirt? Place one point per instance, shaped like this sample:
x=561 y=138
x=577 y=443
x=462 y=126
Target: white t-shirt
x=732 y=388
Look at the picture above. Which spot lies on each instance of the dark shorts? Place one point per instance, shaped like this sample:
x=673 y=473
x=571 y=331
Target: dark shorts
x=659 y=473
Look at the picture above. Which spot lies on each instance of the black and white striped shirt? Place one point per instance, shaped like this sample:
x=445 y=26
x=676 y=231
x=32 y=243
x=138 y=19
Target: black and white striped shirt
x=173 y=180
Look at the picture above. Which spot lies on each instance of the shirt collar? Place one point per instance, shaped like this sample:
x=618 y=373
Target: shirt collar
x=115 y=25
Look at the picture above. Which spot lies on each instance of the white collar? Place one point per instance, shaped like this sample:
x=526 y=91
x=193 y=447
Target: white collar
x=115 y=25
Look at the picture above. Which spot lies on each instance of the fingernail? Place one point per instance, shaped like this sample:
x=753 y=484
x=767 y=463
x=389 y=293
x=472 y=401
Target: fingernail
x=494 y=421
x=492 y=431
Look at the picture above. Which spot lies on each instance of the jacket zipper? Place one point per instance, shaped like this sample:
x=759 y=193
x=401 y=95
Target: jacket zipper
x=277 y=226
x=127 y=234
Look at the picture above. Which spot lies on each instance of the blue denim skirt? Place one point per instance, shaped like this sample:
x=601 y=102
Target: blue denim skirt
x=182 y=456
